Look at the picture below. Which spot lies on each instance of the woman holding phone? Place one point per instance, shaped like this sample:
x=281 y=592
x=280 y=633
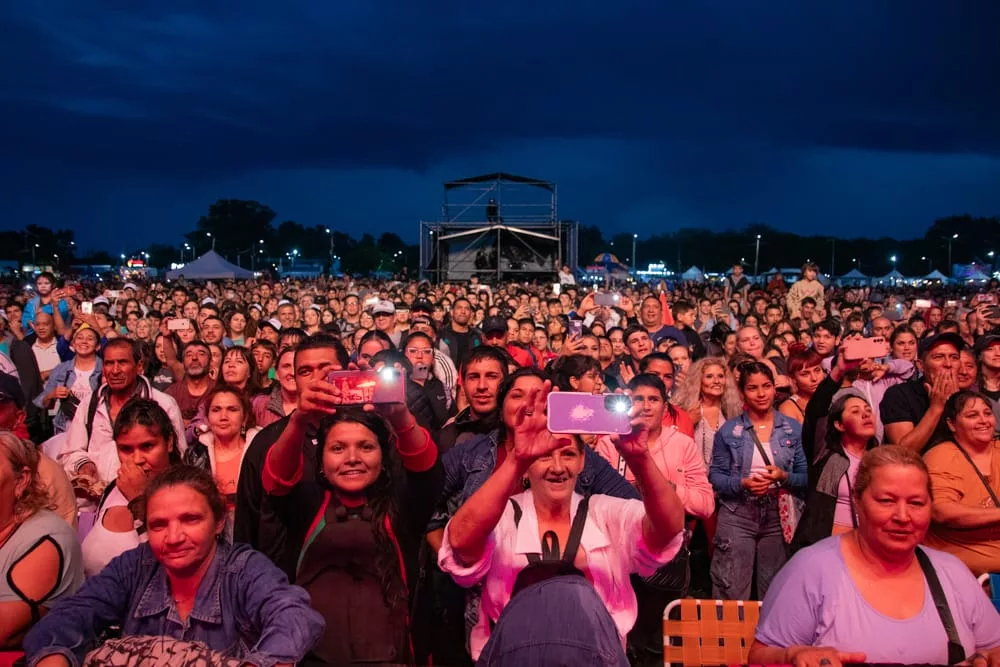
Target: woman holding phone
x=360 y=516
x=513 y=546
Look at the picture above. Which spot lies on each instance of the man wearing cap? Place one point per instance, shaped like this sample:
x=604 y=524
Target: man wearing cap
x=269 y=330
x=384 y=312
x=911 y=410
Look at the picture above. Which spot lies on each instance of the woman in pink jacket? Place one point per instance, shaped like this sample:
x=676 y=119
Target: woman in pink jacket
x=680 y=460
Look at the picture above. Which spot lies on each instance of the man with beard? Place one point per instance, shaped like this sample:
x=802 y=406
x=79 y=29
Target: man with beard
x=458 y=335
x=90 y=449
x=351 y=319
x=191 y=391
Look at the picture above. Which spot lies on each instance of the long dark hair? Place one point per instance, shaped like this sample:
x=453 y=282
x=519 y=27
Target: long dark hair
x=508 y=384
x=380 y=496
x=147 y=413
x=252 y=387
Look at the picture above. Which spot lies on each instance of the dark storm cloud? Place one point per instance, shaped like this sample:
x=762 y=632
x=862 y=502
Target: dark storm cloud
x=404 y=84
x=719 y=97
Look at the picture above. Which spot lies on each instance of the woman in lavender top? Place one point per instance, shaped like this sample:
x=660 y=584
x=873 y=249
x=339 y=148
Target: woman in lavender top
x=864 y=596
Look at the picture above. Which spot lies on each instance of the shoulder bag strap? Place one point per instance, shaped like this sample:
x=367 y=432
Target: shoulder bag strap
x=576 y=531
x=956 y=652
x=760 y=447
x=518 y=513
x=979 y=474
x=850 y=493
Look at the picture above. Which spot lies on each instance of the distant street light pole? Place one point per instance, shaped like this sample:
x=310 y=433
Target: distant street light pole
x=635 y=260
x=209 y=235
x=756 y=258
x=952 y=238
x=833 y=256
x=928 y=260
x=331 y=249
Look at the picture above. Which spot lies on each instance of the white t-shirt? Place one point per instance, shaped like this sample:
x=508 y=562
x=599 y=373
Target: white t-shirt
x=47 y=356
x=81 y=385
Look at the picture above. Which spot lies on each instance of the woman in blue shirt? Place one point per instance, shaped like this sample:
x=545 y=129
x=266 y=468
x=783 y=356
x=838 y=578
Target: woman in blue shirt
x=755 y=455
x=187 y=583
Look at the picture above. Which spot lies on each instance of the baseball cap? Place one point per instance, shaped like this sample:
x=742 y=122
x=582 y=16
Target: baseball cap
x=101 y=299
x=421 y=307
x=494 y=324
x=384 y=307
x=950 y=337
x=273 y=323
x=130 y=286
x=206 y=300
x=985 y=341
x=10 y=390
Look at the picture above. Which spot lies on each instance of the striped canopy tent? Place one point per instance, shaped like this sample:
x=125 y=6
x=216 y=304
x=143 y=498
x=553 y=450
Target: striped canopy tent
x=606 y=258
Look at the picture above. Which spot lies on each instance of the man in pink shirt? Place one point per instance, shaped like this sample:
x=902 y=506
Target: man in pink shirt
x=675 y=454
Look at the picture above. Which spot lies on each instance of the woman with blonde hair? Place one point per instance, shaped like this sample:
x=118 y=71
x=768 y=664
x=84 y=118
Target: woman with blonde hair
x=708 y=393
x=40 y=559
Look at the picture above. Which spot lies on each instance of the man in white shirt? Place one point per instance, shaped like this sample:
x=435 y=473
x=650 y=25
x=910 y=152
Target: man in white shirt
x=45 y=347
x=90 y=446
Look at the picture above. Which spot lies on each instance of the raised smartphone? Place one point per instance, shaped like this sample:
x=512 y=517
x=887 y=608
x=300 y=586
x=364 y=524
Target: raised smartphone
x=606 y=299
x=593 y=414
x=866 y=348
x=178 y=323
x=360 y=387
x=575 y=329
x=87 y=307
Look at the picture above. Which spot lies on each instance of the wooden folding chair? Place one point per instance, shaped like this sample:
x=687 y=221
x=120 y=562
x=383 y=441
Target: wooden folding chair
x=709 y=632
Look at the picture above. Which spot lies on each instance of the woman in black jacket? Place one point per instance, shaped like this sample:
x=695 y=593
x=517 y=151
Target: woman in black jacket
x=361 y=526
x=829 y=506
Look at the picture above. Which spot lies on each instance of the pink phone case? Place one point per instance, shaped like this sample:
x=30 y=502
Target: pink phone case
x=360 y=387
x=571 y=412
x=866 y=348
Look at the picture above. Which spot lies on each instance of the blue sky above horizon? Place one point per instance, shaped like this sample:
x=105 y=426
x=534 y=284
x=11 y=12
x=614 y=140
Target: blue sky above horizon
x=124 y=121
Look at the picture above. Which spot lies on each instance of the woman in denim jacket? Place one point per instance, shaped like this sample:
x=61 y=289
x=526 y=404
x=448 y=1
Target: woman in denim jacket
x=747 y=483
x=187 y=583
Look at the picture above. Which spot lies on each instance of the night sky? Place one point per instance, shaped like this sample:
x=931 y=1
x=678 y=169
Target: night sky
x=123 y=120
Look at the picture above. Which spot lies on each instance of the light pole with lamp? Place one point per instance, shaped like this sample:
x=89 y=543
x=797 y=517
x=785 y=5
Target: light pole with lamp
x=209 y=235
x=756 y=258
x=635 y=260
x=950 y=239
x=993 y=262
x=330 y=234
x=928 y=260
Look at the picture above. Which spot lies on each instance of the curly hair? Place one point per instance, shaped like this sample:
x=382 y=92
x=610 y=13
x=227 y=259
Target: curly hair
x=687 y=393
x=22 y=455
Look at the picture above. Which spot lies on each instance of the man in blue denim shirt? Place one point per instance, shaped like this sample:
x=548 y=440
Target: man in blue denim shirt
x=245 y=608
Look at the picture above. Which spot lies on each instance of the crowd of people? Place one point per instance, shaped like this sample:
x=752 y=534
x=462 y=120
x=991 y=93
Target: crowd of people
x=182 y=477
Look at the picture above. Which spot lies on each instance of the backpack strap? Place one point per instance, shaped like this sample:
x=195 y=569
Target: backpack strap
x=956 y=652
x=95 y=401
x=576 y=531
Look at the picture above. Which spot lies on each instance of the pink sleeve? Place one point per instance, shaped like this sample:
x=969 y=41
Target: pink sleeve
x=698 y=497
x=466 y=576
